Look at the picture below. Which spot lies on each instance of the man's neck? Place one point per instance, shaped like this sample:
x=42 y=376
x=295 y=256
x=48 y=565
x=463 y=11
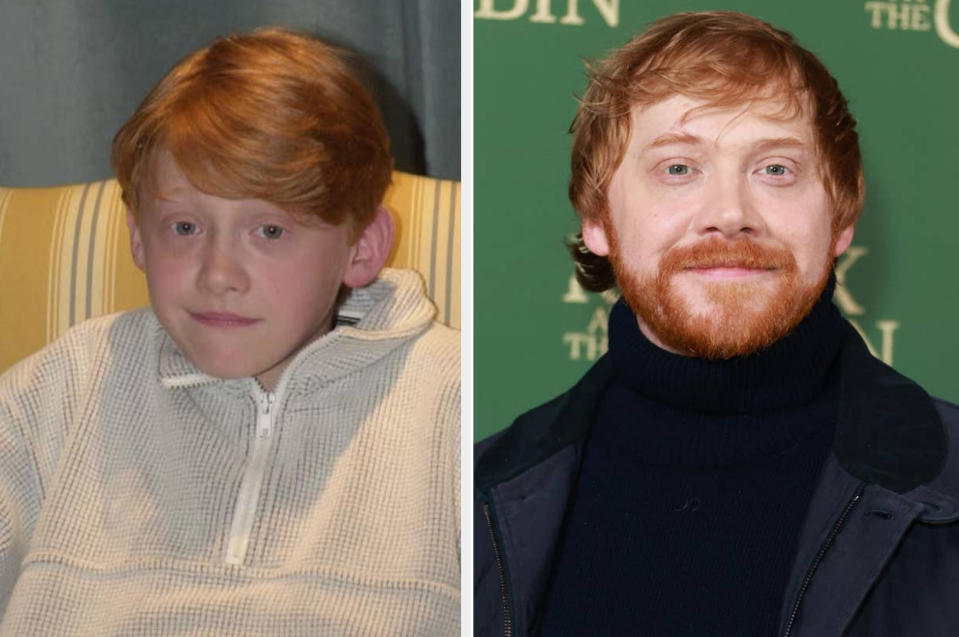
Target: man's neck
x=789 y=372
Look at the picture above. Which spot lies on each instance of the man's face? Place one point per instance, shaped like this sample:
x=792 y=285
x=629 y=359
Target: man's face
x=240 y=285
x=720 y=228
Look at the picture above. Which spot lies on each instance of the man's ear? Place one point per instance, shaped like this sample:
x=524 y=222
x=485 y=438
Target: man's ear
x=370 y=251
x=595 y=238
x=843 y=239
x=136 y=243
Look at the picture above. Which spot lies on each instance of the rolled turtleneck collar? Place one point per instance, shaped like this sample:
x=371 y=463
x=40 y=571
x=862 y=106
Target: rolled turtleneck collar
x=790 y=372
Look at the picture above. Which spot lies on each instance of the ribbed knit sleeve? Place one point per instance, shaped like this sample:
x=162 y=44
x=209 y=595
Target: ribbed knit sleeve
x=20 y=495
x=39 y=397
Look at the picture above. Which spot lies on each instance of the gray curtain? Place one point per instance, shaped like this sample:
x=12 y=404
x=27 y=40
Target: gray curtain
x=71 y=71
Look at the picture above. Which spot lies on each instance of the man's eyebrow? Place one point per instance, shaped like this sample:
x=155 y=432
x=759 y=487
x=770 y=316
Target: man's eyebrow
x=670 y=139
x=781 y=142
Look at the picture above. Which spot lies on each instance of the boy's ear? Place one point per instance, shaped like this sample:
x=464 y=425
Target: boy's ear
x=136 y=243
x=370 y=251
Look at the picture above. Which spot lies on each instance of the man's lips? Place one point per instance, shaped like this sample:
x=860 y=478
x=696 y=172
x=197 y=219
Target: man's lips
x=728 y=271
x=223 y=319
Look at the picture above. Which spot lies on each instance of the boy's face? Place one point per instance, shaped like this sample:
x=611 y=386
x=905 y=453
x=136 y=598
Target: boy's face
x=240 y=285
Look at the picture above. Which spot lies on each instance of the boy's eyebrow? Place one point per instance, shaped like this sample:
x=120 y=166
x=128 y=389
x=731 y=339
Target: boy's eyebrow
x=167 y=194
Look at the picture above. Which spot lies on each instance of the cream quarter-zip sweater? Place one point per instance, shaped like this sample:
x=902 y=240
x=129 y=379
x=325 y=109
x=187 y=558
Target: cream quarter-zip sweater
x=139 y=496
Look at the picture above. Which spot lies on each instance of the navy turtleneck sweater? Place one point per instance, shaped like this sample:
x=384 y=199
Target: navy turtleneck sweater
x=694 y=485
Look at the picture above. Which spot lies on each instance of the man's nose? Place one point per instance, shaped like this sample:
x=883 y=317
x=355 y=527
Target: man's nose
x=222 y=270
x=729 y=210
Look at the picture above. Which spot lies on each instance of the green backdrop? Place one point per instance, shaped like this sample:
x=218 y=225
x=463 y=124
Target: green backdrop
x=897 y=63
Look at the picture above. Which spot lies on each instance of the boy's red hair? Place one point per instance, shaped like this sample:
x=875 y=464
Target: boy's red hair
x=272 y=115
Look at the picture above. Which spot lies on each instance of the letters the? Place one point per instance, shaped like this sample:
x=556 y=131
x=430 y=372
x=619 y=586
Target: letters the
x=906 y=16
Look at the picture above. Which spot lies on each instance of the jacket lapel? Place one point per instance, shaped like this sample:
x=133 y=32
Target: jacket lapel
x=889 y=443
x=528 y=515
x=851 y=530
x=526 y=477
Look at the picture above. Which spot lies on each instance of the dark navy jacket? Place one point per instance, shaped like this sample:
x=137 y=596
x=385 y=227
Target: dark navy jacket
x=878 y=554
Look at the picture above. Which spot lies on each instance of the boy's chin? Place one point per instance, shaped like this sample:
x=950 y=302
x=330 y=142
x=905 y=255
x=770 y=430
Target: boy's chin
x=218 y=366
x=227 y=373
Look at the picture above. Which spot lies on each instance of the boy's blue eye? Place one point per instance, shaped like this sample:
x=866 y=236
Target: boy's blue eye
x=777 y=170
x=184 y=228
x=271 y=232
x=678 y=170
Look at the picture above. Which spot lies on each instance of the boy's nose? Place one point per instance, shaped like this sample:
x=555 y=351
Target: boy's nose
x=222 y=272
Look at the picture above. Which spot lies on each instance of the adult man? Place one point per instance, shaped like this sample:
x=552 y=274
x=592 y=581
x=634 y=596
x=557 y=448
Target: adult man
x=738 y=464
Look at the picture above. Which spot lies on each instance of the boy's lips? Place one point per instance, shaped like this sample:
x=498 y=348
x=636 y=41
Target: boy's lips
x=223 y=319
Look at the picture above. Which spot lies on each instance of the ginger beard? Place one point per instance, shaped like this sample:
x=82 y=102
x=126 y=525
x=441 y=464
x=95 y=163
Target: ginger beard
x=742 y=317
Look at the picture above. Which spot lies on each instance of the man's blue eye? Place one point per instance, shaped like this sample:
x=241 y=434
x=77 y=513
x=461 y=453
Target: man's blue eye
x=184 y=228
x=678 y=170
x=777 y=170
x=271 y=232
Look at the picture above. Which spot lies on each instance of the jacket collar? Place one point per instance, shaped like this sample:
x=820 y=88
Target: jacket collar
x=888 y=431
x=541 y=432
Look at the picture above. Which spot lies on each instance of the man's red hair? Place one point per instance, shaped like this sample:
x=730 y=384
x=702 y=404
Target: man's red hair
x=725 y=59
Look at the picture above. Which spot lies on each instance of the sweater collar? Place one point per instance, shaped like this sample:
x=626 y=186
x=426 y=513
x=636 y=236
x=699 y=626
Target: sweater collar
x=792 y=371
x=371 y=322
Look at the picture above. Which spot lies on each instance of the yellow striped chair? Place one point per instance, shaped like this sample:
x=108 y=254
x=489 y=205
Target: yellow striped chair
x=65 y=257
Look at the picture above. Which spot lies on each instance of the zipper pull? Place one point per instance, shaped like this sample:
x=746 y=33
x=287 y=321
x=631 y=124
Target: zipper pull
x=264 y=417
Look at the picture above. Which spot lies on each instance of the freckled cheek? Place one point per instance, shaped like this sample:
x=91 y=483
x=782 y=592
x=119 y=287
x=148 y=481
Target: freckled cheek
x=666 y=226
x=627 y=204
x=164 y=250
x=168 y=274
x=646 y=231
x=170 y=264
x=168 y=283
x=641 y=250
x=811 y=252
x=292 y=283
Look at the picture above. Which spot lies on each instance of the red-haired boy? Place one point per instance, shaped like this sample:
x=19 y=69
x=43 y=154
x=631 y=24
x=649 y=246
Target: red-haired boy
x=272 y=448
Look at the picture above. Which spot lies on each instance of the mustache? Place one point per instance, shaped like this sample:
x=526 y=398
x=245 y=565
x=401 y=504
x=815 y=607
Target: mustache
x=720 y=253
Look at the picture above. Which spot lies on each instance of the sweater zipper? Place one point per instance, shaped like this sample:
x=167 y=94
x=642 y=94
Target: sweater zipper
x=252 y=483
x=504 y=595
x=820 y=555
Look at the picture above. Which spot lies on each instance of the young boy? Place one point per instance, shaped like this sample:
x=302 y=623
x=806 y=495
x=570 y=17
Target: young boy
x=273 y=447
